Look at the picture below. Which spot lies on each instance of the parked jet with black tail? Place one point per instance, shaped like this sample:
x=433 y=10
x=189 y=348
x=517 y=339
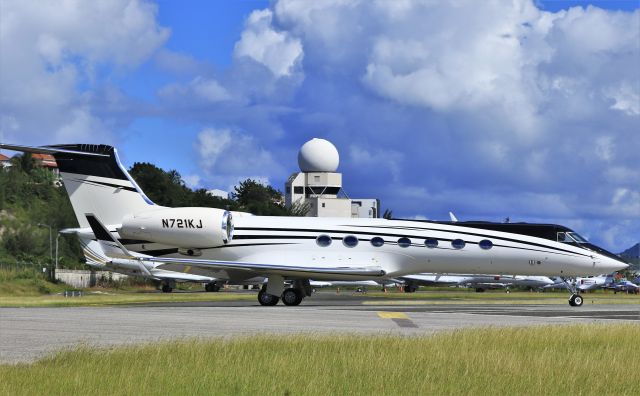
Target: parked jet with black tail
x=127 y=229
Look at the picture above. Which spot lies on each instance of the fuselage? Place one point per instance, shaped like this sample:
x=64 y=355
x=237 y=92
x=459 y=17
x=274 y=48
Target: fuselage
x=398 y=247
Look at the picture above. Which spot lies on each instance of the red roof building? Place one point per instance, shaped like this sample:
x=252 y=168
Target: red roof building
x=45 y=160
x=4 y=161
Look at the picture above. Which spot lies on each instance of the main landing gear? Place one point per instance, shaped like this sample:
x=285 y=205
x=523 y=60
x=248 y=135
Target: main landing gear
x=274 y=291
x=167 y=287
x=576 y=299
x=267 y=299
x=292 y=296
x=212 y=287
x=410 y=288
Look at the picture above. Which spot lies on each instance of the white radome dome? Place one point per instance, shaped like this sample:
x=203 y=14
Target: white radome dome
x=318 y=155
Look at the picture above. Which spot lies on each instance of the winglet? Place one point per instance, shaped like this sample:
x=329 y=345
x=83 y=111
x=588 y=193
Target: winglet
x=103 y=235
x=453 y=217
x=111 y=246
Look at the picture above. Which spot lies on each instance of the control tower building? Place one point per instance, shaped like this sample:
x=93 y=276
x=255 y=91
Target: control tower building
x=319 y=185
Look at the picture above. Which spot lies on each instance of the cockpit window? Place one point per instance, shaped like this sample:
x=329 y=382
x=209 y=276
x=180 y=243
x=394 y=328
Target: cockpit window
x=578 y=238
x=571 y=237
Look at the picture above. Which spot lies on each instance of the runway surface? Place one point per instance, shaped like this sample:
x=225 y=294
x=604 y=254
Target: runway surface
x=27 y=334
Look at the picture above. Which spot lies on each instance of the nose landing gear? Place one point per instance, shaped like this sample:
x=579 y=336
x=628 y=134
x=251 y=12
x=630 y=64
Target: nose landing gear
x=576 y=299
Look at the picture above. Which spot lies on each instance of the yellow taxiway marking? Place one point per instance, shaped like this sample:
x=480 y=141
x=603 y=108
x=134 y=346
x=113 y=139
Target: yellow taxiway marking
x=392 y=315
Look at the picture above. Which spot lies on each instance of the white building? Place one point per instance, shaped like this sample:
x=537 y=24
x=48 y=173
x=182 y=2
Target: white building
x=319 y=185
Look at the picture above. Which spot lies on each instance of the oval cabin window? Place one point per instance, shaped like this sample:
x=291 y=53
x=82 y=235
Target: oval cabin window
x=431 y=243
x=350 y=241
x=404 y=242
x=323 y=240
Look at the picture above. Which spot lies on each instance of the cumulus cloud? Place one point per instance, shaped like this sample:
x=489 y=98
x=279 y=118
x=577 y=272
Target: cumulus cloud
x=53 y=53
x=192 y=181
x=227 y=157
x=490 y=109
x=278 y=51
x=205 y=89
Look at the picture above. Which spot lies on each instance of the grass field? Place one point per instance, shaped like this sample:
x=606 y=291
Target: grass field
x=558 y=360
x=31 y=289
x=118 y=297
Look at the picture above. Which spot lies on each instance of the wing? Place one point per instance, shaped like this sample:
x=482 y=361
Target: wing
x=184 y=265
x=430 y=280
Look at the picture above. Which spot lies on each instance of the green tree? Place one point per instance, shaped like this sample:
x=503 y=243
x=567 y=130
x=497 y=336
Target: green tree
x=23 y=162
x=259 y=199
x=298 y=209
x=30 y=198
x=167 y=188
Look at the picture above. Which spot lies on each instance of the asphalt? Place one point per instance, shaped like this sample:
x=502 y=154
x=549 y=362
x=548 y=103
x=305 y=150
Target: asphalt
x=27 y=334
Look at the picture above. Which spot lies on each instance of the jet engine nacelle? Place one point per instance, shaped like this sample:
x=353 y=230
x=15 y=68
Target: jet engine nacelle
x=181 y=227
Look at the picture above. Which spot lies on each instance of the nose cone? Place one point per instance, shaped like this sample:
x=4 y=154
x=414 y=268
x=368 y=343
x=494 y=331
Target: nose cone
x=609 y=264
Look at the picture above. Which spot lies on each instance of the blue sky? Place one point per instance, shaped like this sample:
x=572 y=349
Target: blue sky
x=525 y=109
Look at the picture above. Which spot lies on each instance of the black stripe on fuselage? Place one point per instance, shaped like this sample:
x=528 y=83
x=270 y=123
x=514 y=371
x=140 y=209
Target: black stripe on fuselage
x=306 y=237
x=478 y=235
x=324 y=231
x=164 y=252
x=159 y=252
x=133 y=242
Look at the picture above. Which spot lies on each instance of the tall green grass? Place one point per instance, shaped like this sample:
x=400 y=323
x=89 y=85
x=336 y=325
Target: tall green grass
x=27 y=281
x=550 y=360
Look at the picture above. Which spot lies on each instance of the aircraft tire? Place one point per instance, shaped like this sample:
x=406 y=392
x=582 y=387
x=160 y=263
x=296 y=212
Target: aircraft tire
x=479 y=290
x=266 y=299
x=167 y=289
x=410 y=289
x=212 y=287
x=576 y=300
x=291 y=297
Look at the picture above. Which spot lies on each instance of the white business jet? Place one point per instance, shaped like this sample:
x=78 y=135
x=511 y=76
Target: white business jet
x=291 y=250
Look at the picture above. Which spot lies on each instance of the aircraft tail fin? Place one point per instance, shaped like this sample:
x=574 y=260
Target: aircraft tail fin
x=95 y=180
